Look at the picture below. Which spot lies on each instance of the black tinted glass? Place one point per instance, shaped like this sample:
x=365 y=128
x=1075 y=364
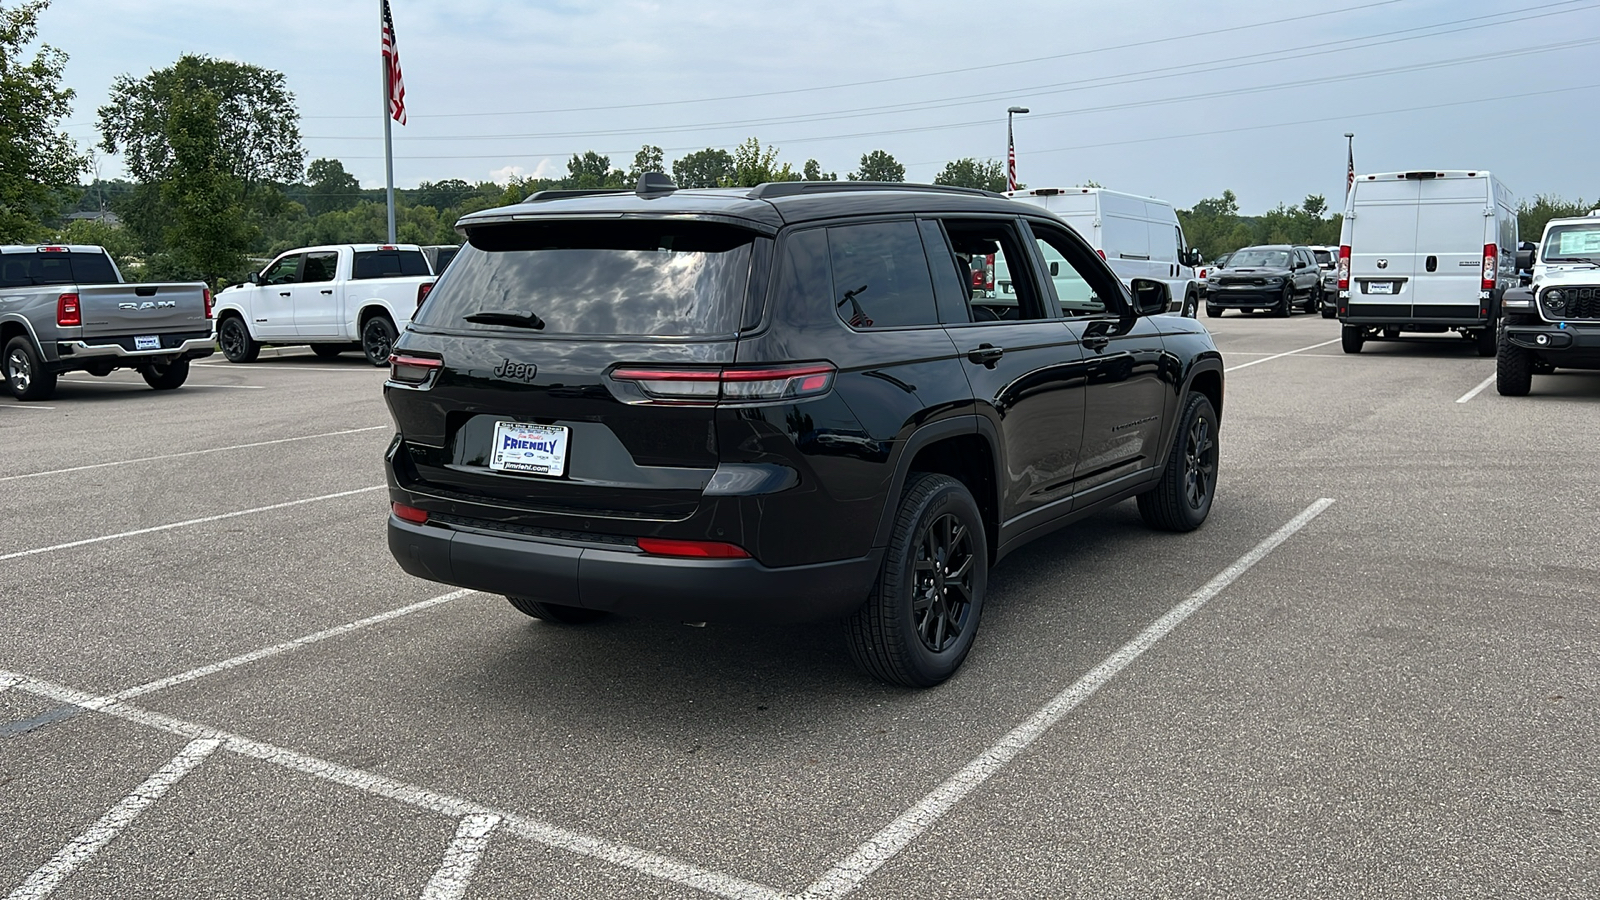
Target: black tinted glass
x=26 y=269
x=390 y=264
x=320 y=267
x=599 y=278
x=880 y=275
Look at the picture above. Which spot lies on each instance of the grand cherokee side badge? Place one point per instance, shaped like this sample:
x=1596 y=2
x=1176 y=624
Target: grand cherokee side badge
x=516 y=371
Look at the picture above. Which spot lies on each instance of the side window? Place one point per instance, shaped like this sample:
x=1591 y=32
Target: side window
x=1011 y=295
x=284 y=271
x=320 y=267
x=1081 y=286
x=880 y=275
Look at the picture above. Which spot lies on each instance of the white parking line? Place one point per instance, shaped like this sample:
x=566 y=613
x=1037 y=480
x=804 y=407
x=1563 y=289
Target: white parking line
x=241 y=368
x=1257 y=362
x=129 y=384
x=32 y=406
x=622 y=855
x=461 y=859
x=849 y=873
x=1477 y=390
x=186 y=523
x=141 y=459
x=50 y=875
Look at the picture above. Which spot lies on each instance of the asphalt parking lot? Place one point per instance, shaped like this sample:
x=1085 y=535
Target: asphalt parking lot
x=1371 y=674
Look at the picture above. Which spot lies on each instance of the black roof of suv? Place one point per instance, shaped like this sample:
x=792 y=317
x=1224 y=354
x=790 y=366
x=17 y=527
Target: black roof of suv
x=783 y=403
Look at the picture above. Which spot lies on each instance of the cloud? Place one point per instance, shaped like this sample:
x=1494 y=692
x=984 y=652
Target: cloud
x=507 y=175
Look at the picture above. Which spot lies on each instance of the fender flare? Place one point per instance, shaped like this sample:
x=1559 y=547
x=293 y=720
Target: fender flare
x=928 y=434
x=33 y=334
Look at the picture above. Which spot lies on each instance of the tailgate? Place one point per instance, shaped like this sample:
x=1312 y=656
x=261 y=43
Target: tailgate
x=119 y=310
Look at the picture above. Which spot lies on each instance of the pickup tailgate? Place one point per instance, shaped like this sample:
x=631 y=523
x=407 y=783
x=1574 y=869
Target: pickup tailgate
x=121 y=310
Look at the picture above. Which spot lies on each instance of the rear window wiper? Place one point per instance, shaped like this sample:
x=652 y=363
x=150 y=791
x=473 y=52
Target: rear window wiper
x=514 y=319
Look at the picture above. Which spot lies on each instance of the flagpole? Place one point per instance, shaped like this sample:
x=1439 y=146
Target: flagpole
x=388 y=139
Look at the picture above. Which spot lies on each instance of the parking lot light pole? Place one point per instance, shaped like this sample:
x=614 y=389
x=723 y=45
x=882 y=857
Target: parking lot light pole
x=1011 y=148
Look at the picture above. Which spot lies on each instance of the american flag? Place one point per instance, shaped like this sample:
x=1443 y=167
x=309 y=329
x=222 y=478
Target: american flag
x=1011 y=159
x=391 y=65
x=1350 y=172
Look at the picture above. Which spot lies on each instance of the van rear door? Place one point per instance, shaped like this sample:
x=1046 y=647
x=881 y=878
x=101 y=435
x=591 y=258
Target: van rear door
x=1383 y=244
x=1449 y=247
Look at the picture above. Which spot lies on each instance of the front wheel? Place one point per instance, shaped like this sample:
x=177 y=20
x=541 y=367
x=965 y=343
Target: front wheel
x=1285 y=304
x=166 y=376
x=1191 y=305
x=1329 y=310
x=1513 y=369
x=1351 y=338
x=555 y=612
x=237 y=344
x=1181 y=499
x=26 y=375
x=918 y=624
x=1213 y=312
x=1314 y=300
x=377 y=339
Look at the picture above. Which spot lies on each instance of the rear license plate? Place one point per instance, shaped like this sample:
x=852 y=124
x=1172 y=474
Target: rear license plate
x=533 y=449
x=147 y=342
x=1380 y=287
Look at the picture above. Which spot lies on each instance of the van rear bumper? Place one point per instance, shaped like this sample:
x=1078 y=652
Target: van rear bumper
x=631 y=582
x=1405 y=316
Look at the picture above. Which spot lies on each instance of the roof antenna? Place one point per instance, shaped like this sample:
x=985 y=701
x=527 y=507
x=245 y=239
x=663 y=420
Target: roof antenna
x=654 y=183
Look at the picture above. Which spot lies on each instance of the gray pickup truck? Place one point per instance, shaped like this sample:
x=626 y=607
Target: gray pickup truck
x=65 y=308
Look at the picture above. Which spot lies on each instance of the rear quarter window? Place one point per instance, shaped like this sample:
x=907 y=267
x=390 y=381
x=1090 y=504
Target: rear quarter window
x=612 y=278
x=389 y=264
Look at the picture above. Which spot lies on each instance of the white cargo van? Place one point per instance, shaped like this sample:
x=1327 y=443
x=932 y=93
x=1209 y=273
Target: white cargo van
x=1139 y=237
x=1428 y=251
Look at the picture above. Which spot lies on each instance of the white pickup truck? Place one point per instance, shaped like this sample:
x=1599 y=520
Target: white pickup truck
x=336 y=298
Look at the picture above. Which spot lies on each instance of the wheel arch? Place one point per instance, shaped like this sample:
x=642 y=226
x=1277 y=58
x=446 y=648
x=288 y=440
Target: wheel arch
x=962 y=448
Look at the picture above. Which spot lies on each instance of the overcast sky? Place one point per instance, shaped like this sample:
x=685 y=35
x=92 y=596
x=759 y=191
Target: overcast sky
x=1178 y=100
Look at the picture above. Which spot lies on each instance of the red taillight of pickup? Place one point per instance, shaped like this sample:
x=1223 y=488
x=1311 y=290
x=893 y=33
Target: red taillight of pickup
x=423 y=290
x=67 y=310
x=206 y=293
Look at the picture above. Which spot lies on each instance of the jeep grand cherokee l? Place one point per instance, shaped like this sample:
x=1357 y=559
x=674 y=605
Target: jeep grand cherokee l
x=783 y=403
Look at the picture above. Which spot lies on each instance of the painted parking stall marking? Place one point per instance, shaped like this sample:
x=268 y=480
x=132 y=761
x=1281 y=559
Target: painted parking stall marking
x=164 y=456
x=461 y=858
x=1257 y=362
x=1477 y=390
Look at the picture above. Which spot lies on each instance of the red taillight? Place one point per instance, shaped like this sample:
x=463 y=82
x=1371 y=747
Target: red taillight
x=52 y=249
x=413 y=370
x=386 y=247
x=422 y=292
x=206 y=294
x=1344 y=267
x=988 y=272
x=729 y=386
x=692 y=549
x=1102 y=253
x=1491 y=268
x=68 y=311
x=410 y=514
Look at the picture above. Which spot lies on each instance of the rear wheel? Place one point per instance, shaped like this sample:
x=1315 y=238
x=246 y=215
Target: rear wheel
x=328 y=351
x=918 y=624
x=377 y=339
x=1351 y=337
x=165 y=376
x=555 y=612
x=26 y=375
x=1181 y=500
x=1513 y=369
x=237 y=344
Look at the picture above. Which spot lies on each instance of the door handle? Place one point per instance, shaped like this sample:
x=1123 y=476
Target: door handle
x=283 y=293
x=986 y=354
x=329 y=291
x=1096 y=342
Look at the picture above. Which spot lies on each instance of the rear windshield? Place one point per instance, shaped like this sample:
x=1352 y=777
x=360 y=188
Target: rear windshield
x=25 y=269
x=628 y=278
x=1324 y=257
x=390 y=264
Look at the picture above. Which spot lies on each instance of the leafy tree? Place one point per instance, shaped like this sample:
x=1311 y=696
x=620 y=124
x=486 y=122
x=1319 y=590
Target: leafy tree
x=812 y=171
x=591 y=170
x=878 y=166
x=1532 y=217
x=442 y=194
x=1315 y=205
x=703 y=169
x=648 y=159
x=330 y=187
x=752 y=166
x=209 y=230
x=36 y=157
x=257 y=127
x=988 y=175
x=118 y=242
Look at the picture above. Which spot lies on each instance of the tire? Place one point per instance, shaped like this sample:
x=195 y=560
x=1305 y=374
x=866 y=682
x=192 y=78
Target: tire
x=1486 y=341
x=1181 y=500
x=1314 y=300
x=1285 y=305
x=1513 y=369
x=377 y=339
x=1351 y=338
x=555 y=612
x=166 y=376
x=1191 y=305
x=1213 y=312
x=26 y=375
x=329 y=351
x=237 y=344
x=1329 y=310
x=919 y=622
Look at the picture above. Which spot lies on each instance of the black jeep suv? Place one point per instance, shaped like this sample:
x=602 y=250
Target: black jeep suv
x=783 y=403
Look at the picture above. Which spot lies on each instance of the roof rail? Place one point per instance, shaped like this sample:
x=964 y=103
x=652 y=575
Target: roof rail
x=541 y=196
x=773 y=189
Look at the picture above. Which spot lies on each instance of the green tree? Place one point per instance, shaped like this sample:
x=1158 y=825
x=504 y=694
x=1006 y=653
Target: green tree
x=812 y=171
x=988 y=175
x=703 y=168
x=209 y=230
x=1532 y=217
x=330 y=187
x=648 y=159
x=36 y=157
x=878 y=166
x=753 y=165
x=442 y=194
x=118 y=242
x=1315 y=205
x=591 y=170
x=257 y=124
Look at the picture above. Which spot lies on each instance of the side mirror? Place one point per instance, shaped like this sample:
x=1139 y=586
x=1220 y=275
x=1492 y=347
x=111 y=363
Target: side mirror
x=1191 y=257
x=1524 y=260
x=1150 y=297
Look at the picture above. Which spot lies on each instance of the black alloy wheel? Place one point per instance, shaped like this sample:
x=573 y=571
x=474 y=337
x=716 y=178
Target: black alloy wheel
x=1285 y=306
x=1182 y=497
x=237 y=344
x=377 y=339
x=918 y=625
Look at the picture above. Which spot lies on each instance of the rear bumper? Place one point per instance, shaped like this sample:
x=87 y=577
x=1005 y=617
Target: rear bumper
x=631 y=582
x=191 y=347
x=1416 y=317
